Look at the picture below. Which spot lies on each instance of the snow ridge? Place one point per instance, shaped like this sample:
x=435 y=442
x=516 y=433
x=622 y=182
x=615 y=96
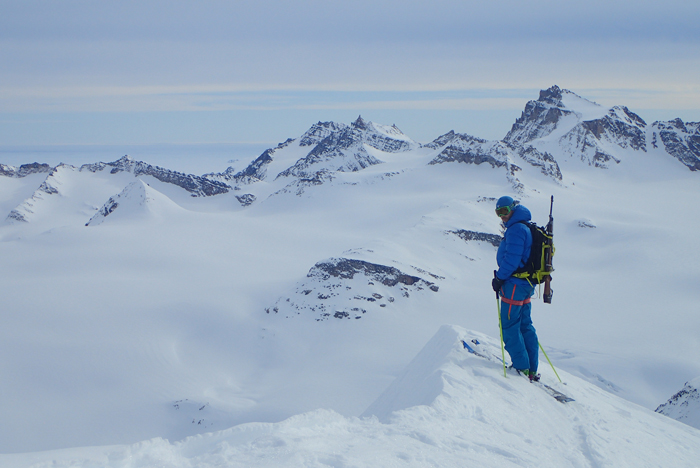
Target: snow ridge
x=446 y=408
x=197 y=186
x=137 y=201
x=49 y=187
x=24 y=170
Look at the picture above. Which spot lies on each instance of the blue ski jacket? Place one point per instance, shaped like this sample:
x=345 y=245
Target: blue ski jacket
x=514 y=249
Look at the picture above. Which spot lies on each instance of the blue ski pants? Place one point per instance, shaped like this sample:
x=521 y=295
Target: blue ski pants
x=519 y=335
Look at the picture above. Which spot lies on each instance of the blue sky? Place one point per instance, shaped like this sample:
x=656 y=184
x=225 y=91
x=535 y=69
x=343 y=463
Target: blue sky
x=146 y=72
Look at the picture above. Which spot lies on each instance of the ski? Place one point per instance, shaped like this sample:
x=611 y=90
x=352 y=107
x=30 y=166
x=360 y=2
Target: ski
x=556 y=394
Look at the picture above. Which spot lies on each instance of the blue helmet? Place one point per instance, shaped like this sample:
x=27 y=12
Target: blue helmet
x=505 y=201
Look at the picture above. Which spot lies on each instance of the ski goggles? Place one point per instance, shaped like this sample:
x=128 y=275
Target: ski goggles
x=503 y=211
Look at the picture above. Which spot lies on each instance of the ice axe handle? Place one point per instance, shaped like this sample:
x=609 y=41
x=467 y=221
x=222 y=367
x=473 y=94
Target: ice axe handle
x=548 y=291
x=496 y=276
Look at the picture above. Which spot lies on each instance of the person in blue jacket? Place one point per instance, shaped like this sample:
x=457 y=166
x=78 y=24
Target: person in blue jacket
x=519 y=334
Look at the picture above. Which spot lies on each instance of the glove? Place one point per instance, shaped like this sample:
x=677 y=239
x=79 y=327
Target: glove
x=497 y=283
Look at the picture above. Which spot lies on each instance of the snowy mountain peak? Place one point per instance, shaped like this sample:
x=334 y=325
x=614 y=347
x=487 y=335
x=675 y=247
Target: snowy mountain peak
x=561 y=122
x=360 y=123
x=137 y=201
x=39 y=202
x=552 y=95
x=540 y=118
x=684 y=405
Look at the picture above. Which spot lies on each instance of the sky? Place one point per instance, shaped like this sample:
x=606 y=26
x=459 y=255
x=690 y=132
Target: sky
x=258 y=72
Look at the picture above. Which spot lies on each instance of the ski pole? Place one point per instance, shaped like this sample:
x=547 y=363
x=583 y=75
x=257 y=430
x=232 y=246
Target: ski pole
x=500 y=327
x=550 y=362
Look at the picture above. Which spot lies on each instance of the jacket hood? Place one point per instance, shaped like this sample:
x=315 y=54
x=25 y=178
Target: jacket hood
x=520 y=213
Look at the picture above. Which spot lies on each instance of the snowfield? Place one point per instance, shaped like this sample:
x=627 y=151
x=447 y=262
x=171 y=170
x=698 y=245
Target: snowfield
x=298 y=318
x=446 y=408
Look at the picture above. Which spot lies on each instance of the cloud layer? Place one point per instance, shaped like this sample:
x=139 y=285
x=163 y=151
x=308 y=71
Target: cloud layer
x=175 y=56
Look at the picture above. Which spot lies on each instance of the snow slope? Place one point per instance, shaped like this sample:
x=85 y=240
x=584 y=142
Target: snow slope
x=138 y=202
x=447 y=408
x=165 y=327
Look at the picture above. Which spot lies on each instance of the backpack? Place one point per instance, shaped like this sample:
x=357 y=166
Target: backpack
x=535 y=269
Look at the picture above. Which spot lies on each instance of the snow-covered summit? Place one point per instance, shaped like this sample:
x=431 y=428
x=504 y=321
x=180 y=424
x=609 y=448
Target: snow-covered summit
x=549 y=112
x=325 y=148
x=561 y=122
x=138 y=201
x=684 y=405
x=58 y=182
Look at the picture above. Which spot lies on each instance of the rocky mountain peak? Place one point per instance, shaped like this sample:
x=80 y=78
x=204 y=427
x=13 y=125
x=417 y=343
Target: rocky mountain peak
x=684 y=406
x=552 y=96
x=679 y=139
x=360 y=123
x=319 y=131
x=539 y=118
x=24 y=170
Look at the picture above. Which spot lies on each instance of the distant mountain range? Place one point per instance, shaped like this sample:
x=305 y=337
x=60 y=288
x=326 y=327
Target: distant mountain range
x=559 y=126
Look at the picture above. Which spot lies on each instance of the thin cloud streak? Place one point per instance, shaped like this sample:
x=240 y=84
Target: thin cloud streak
x=319 y=59
x=270 y=98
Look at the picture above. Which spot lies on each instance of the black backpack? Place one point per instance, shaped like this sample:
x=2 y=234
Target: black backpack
x=535 y=269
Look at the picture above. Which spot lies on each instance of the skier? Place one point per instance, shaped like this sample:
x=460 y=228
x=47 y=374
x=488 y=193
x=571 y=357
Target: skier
x=519 y=334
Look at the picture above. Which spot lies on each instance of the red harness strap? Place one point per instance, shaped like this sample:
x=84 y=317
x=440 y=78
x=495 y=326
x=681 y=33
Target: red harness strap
x=511 y=302
x=518 y=303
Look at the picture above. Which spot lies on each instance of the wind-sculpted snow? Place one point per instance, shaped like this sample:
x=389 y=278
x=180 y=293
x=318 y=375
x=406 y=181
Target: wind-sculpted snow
x=684 y=405
x=680 y=140
x=344 y=288
x=447 y=408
